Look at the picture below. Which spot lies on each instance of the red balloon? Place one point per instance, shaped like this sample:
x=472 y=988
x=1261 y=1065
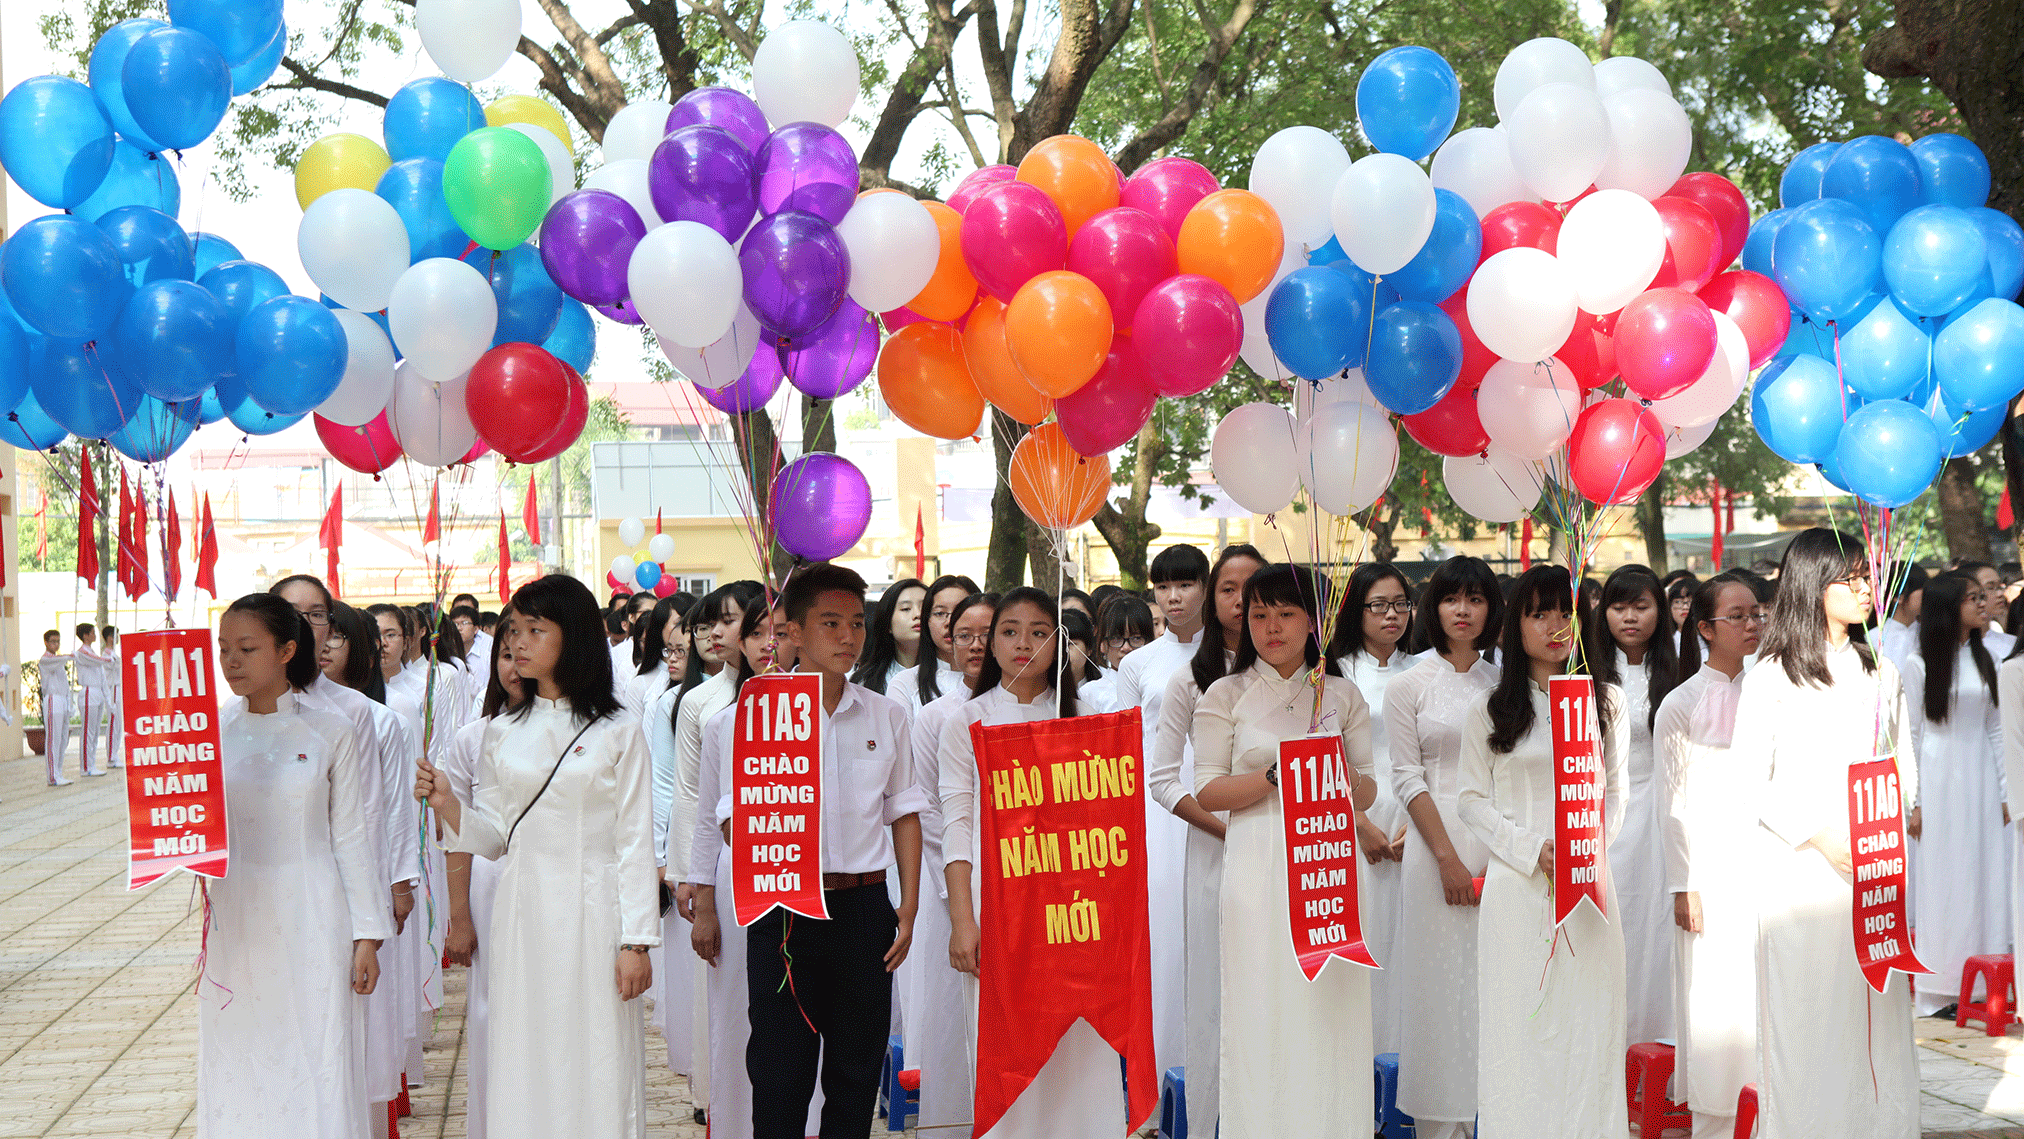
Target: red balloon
x=617 y=586
x=1563 y=207
x=1693 y=245
x=1450 y=427
x=518 y=396
x=1615 y=451
x=1018 y=234
x=1103 y=414
x=668 y=586
x=1724 y=202
x=1167 y=188
x=1665 y=340
x=1582 y=353
x=976 y=182
x=573 y=419
x=1515 y=224
x=1188 y=331
x=368 y=450
x=1757 y=306
x=478 y=450
x=1476 y=359
x=1125 y=253
x=899 y=318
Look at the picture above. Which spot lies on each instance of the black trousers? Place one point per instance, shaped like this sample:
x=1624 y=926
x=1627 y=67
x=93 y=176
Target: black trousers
x=831 y=975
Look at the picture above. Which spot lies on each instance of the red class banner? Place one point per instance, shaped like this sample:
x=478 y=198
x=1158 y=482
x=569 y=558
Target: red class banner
x=776 y=797
x=1580 y=852
x=1062 y=884
x=1316 y=802
x=175 y=777
x=1876 y=847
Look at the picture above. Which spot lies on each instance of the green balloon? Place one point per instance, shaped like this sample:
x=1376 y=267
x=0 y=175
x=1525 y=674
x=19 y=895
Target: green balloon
x=496 y=182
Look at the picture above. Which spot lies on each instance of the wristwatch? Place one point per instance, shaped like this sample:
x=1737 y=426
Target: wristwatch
x=1272 y=775
x=635 y=948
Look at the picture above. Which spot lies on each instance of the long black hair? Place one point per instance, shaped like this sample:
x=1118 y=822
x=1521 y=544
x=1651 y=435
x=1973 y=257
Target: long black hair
x=1458 y=577
x=1540 y=589
x=1940 y=642
x=1797 y=634
x=1076 y=627
x=1123 y=617
x=362 y=647
x=1701 y=608
x=988 y=601
x=1662 y=658
x=448 y=646
x=748 y=627
x=583 y=671
x=883 y=648
x=1286 y=584
x=993 y=674
x=1348 y=638
x=927 y=688
x=654 y=642
x=498 y=697
x=1211 y=648
x=703 y=614
x=287 y=627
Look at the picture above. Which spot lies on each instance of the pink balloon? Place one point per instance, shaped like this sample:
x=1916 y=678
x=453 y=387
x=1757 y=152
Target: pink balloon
x=1167 y=188
x=1665 y=339
x=1126 y=253
x=1103 y=414
x=1615 y=451
x=1012 y=233
x=478 y=450
x=368 y=450
x=612 y=580
x=899 y=318
x=976 y=182
x=668 y=586
x=1188 y=330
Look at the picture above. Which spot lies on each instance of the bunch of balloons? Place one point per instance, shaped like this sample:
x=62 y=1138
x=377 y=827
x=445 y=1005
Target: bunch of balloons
x=646 y=567
x=1907 y=344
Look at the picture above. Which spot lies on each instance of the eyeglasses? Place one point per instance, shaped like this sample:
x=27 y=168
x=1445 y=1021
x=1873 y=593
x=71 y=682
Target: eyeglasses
x=1859 y=577
x=964 y=639
x=1124 y=643
x=317 y=617
x=1381 y=608
x=1745 y=619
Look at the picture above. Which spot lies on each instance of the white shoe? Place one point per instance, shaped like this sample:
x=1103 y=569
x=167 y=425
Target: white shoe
x=60 y=781
x=94 y=773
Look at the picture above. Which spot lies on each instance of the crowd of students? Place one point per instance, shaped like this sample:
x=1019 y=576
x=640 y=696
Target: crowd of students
x=93 y=695
x=565 y=775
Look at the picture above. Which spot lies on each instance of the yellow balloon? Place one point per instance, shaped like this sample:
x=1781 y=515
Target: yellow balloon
x=532 y=111
x=641 y=556
x=339 y=162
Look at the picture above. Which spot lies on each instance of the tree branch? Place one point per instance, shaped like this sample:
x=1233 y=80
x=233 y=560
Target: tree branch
x=604 y=87
x=1218 y=41
x=903 y=103
x=556 y=82
x=307 y=80
x=746 y=42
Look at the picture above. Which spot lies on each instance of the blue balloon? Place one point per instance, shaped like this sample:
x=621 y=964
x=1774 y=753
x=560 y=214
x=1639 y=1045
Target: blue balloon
x=156 y=430
x=252 y=73
x=173 y=340
x=1415 y=357
x=241 y=286
x=137 y=178
x=1885 y=353
x=1801 y=181
x=177 y=86
x=1877 y=174
x=1933 y=259
x=1376 y=294
x=1330 y=252
x=29 y=428
x=15 y=339
x=1443 y=265
x=648 y=574
x=574 y=341
x=54 y=140
x=1962 y=433
x=63 y=276
x=213 y=251
x=414 y=188
x=2004 y=241
x=108 y=57
x=1407 y=100
x=1806 y=339
x=238 y=28
x=292 y=353
x=1889 y=453
x=253 y=419
x=1827 y=259
x=1309 y=322
x=1757 y=247
x=1796 y=407
x=529 y=301
x=81 y=386
x=1831 y=471
x=1952 y=171
x=426 y=118
x=151 y=246
x=217 y=403
x=1979 y=356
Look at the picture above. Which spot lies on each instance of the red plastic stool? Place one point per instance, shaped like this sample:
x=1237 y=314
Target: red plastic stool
x=1647 y=1071
x=1998 y=973
x=1746 y=1112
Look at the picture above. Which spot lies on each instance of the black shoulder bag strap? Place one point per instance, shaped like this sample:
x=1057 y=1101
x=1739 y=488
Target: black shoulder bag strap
x=547 y=781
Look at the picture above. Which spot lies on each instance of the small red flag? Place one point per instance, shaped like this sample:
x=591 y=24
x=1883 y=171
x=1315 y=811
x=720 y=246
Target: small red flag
x=1525 y=545
x=172 y=545
x=140 y=582
x=505 y=562
x=207 y=553
x=920 y=544
x=432 y=529
x=330 y=536
x=87 y=521
x=657 y=520
x=1715 y=544
x=530 y=514
x=123 y=567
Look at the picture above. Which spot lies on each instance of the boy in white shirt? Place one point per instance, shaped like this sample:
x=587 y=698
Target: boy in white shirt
x=56 y=700
x=95 y=675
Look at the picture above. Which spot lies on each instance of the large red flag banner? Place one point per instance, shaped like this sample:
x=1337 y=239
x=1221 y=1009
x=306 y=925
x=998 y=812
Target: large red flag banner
x=1062 y=884
x=776 y=797
x=87 y=520
x=175 y=777
x=1876 y=845
x=1579 y=851
x=207 y=552
x=1317 y=806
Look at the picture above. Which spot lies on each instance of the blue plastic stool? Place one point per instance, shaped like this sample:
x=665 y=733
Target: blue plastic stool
x=1174 y=1104
x=1391 y=1122
x=896 y=1099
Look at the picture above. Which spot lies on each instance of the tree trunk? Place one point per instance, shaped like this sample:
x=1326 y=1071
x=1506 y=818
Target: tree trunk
x=1651 y=522
x=759 y=456
x=1048 y=568
x=818 y=425
x=1961 y=512
x=1128 y=532
x=1002 y=565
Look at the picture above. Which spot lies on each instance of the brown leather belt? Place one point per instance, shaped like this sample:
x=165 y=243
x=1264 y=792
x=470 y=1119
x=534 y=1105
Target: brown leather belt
x=852 y=881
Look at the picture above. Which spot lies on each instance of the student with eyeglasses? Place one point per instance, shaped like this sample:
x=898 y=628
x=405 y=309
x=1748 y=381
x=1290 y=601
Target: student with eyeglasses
x=1124 y=625
x=934 y=671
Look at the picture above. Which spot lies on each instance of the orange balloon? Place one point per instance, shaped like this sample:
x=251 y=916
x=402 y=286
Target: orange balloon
x=1055 y=486
x=1233 y=238
x=924 y=380
x=1076 y=173
x=948 y=294
x=1058 y=328
x=991 y=365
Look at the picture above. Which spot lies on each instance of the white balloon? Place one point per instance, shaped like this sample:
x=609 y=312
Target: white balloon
x=632 y=531
x=1256 y=350
x=368 y=373
x=1346 y=454
x=1613 y=242
x=1650 y=140
x=1296 y=171
x=661 y=547
x=1496 y=486
x=1251 y=456
x=894 y=248
x=561 y=167
x=685 y=283
x=1559 y=140
x=1535 y=63
x=636 y=130
x=716 y=365
x=1624 y=72
x=469 y=40
x=628 y=179
x=1716 y=391
x=1476 y=163
x=429 y=419
x=1310 y=396
x=1685 y=440
x=622 y=567
x=1522 y=303
x=442 y=314
x=354 y=247
x=805 y=72
x=1383 y=210
x=1529 y=409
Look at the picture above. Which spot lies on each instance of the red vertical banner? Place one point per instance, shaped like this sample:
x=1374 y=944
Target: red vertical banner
x=776 y=797
x=1876 y=846
x=175 y=776
x=1061 y=880
x=1580 y=853
x=1316 y=804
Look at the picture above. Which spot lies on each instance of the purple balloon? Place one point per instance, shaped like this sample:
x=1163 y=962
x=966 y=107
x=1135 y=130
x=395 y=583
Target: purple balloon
x=704 y=174
x=804 y=166
x=821 y=506
x=750 y=391
x=587 y=242
x=623 y=312
x=796 y=270
x=721 y=107
x=838 y=356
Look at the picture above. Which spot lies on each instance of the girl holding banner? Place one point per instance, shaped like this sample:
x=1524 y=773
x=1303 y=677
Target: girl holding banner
x=1552 y=1017
x=1294 y=1050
